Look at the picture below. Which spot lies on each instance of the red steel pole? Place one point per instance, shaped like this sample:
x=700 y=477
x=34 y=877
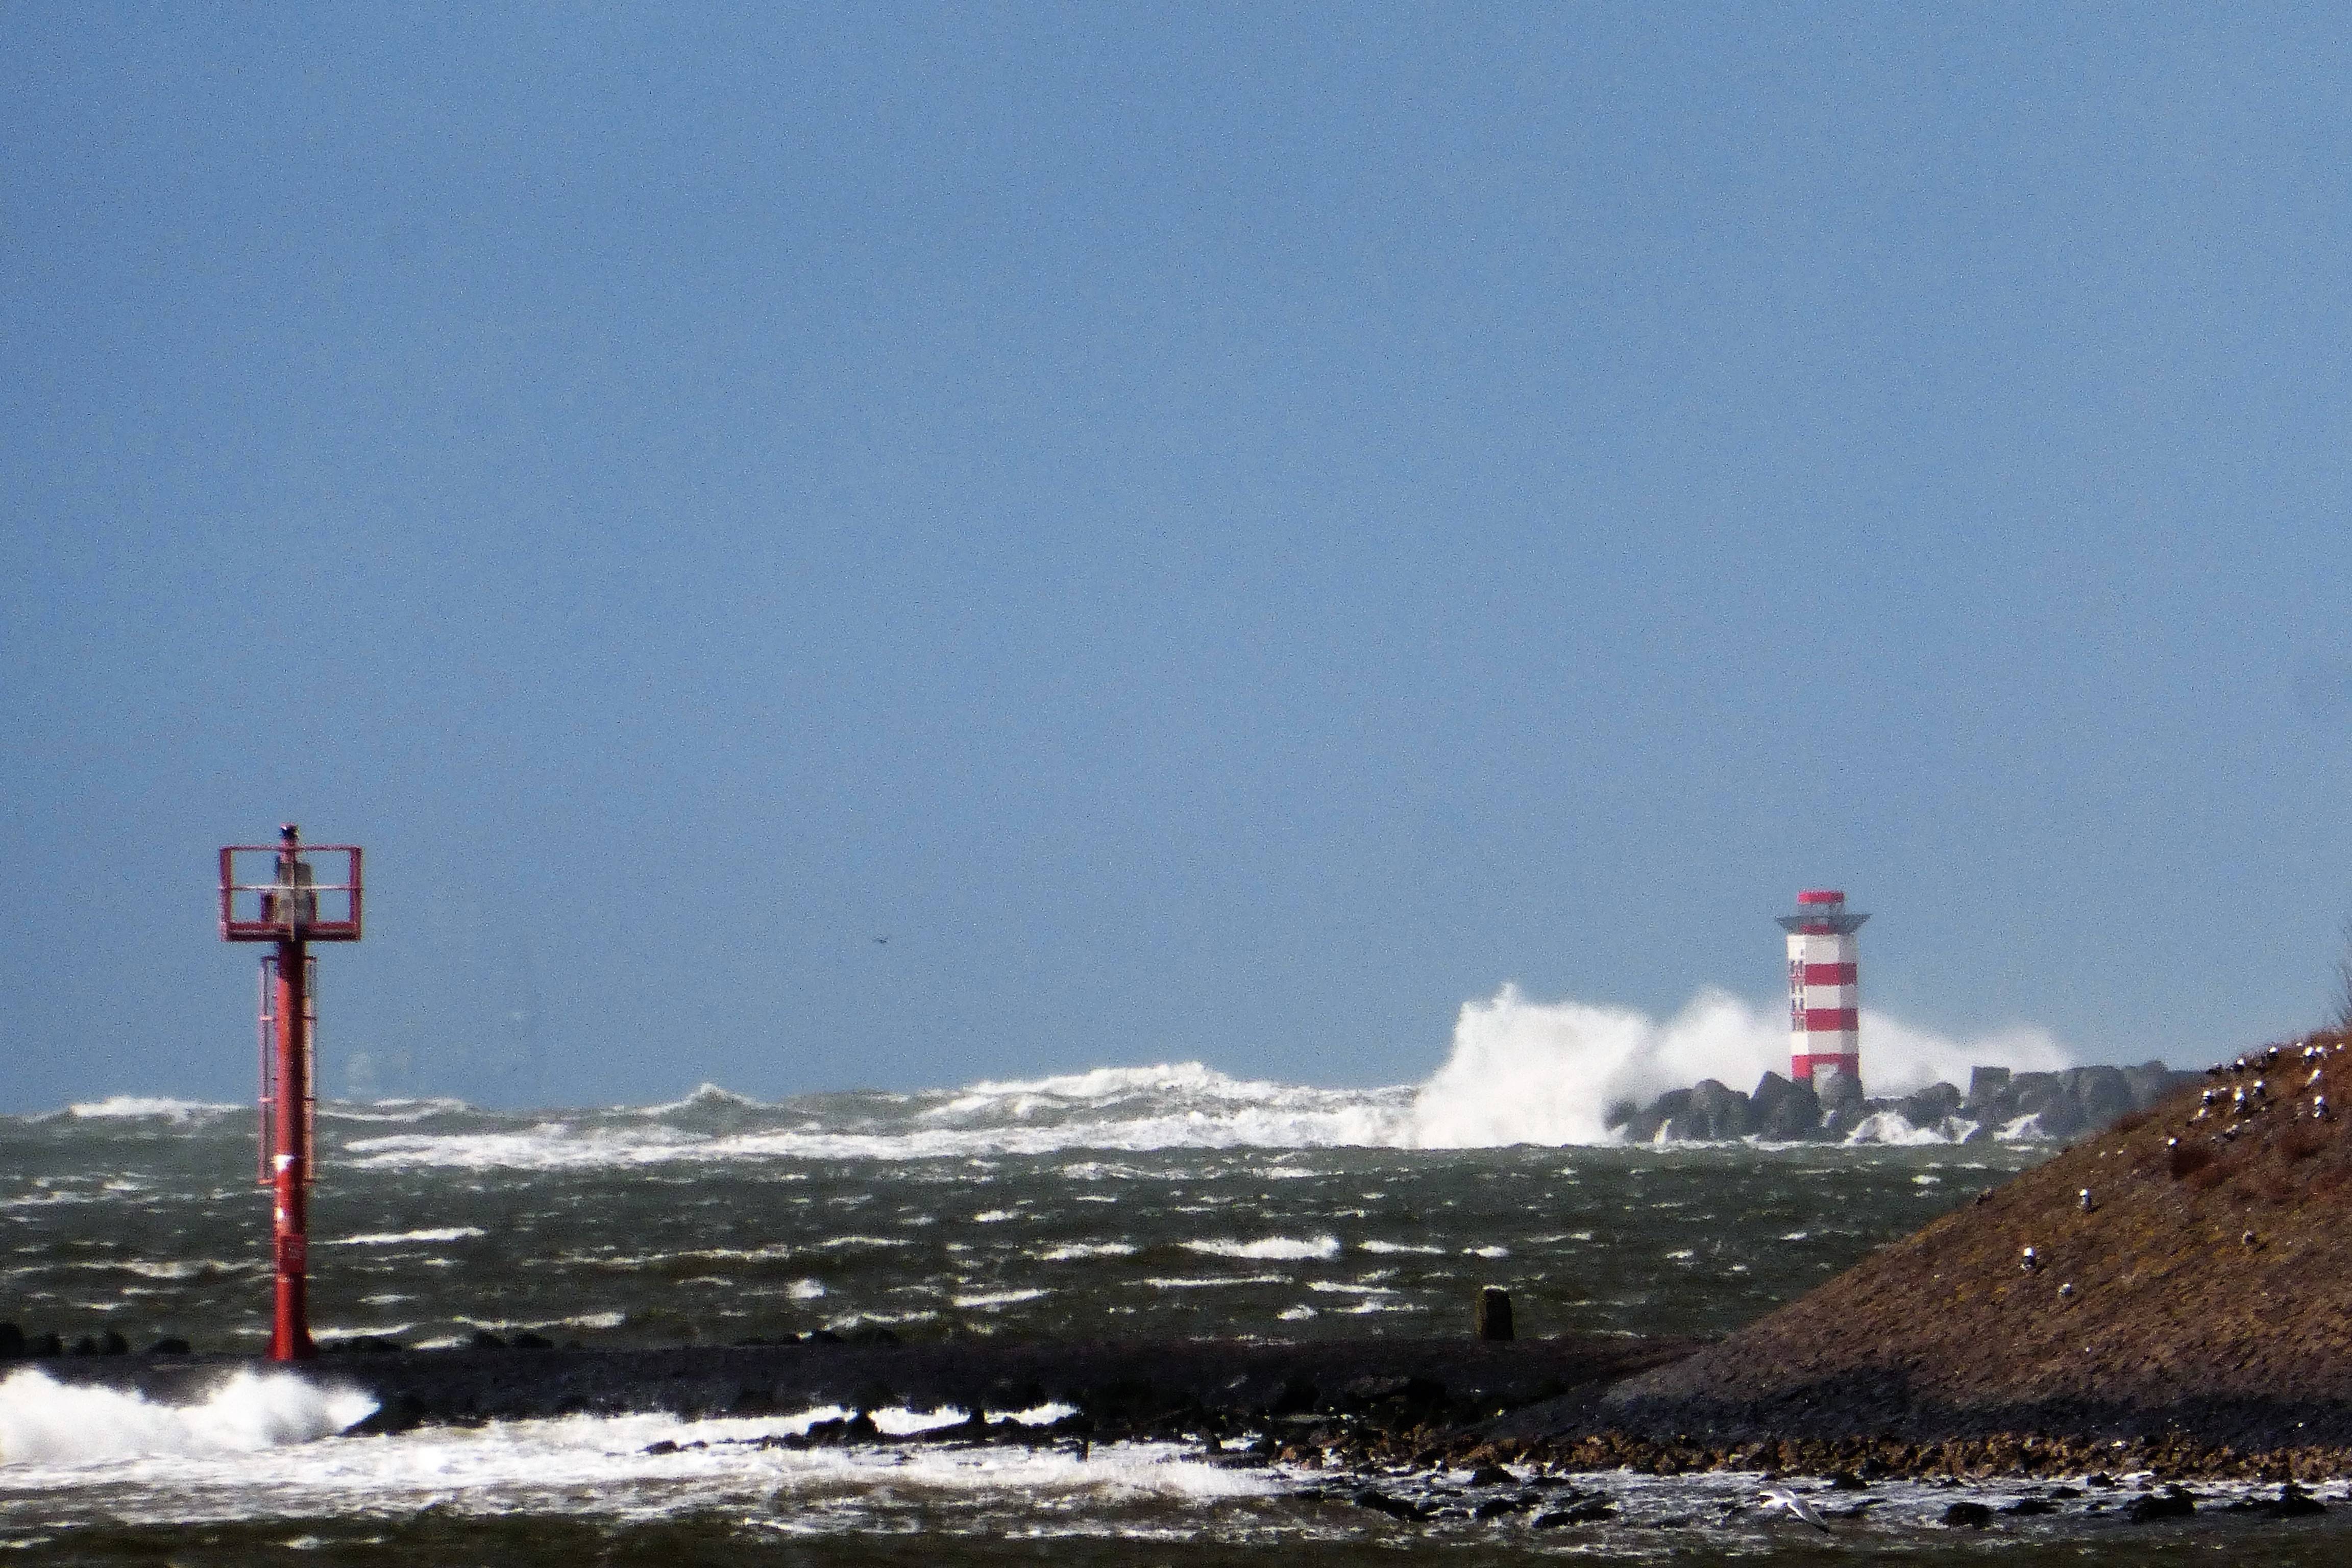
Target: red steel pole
x=290 y=1332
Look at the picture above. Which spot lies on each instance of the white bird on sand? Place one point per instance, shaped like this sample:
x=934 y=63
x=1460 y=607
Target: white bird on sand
x=1789 y=1502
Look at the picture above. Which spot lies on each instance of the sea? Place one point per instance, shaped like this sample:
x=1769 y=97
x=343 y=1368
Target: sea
x=1168 y=1201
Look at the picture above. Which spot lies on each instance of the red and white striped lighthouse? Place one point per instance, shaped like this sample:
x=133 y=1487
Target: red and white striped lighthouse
x=1823 y=997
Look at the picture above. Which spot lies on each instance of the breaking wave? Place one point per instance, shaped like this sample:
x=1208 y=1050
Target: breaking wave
x=1519 y=1073
x=132 y=1106
x=639 y=1466
x=1536 y=1072
x=42 y=1420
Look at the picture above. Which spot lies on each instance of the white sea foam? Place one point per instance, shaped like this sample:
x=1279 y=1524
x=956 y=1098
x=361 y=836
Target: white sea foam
x=133 y=1106
x=1271 y=1248
x=602 y=1466
x=995 y=1298
x=402 y=1237
x=44 y=1422
x=1890 y=1127
x=1519 y=1071
x=174 y=1268
x=1077 y=1250
x=1534 y=1072
x=706 y=1097
x=390 y=1109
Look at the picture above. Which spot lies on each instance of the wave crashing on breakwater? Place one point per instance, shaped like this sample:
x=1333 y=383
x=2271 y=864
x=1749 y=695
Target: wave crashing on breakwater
x=42 y=1420
x=1556 y=1074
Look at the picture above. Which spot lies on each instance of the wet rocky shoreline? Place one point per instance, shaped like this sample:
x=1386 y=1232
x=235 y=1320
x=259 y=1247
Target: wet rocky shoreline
x=1367 y=1412
x=2129 y=1311
x=1998 y=1102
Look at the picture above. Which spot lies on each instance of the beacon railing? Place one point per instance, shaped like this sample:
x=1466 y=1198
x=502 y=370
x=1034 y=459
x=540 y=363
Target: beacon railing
x=272 y=902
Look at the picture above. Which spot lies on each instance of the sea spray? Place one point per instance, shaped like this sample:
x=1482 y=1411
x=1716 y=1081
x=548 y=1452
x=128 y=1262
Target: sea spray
x=1518 y=1071
x=42 y=1420
x=1546 y=1073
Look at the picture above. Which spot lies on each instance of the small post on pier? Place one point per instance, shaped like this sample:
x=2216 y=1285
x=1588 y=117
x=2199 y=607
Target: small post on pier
x=286 y=911
x=1494 y=1320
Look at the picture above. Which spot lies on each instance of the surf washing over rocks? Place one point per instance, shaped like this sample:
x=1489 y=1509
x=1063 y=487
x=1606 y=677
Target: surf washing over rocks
x=1519 y=1073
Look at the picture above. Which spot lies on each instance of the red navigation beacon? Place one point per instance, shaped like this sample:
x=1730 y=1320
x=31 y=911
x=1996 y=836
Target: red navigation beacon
x=284 y=902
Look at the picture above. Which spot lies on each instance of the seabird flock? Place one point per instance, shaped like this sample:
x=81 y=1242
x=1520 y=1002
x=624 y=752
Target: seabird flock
x=2243 y=1100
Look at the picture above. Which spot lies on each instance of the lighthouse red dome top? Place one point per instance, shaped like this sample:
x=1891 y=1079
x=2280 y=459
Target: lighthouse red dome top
x=1822 y=910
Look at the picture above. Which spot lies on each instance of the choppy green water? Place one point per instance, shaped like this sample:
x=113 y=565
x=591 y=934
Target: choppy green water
x=718 y=1220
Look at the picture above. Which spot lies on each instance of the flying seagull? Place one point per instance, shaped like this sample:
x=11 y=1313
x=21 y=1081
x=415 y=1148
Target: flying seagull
x=1790 y=1503
x=883 y=940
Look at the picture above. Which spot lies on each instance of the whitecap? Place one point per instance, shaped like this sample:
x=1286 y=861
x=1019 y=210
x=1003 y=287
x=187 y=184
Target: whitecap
x=706 y=1096
x=1271 y=1248
x=390 y=1109
x=134 y=1106
x=995 y=1298
x=402 y=1237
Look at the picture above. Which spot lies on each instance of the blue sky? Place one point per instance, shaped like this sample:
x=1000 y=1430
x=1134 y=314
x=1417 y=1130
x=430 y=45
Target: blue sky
x=1224 y=532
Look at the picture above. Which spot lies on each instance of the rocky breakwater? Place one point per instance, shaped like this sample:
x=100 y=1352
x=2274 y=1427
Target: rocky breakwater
x=1997 y=1103
x=2179 y=1280
x=1357 y=1393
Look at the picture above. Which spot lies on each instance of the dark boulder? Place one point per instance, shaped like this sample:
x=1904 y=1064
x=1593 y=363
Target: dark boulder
x=2170 y=1503
x=1786 y=1112
x=2101 y=1094
x=1843 y=1105
x=1721 y=1111
x=1986 y=1085
x=1930 y=1106
x=1295 y=1397
x=2152 y=1081
x=1644 y=1124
